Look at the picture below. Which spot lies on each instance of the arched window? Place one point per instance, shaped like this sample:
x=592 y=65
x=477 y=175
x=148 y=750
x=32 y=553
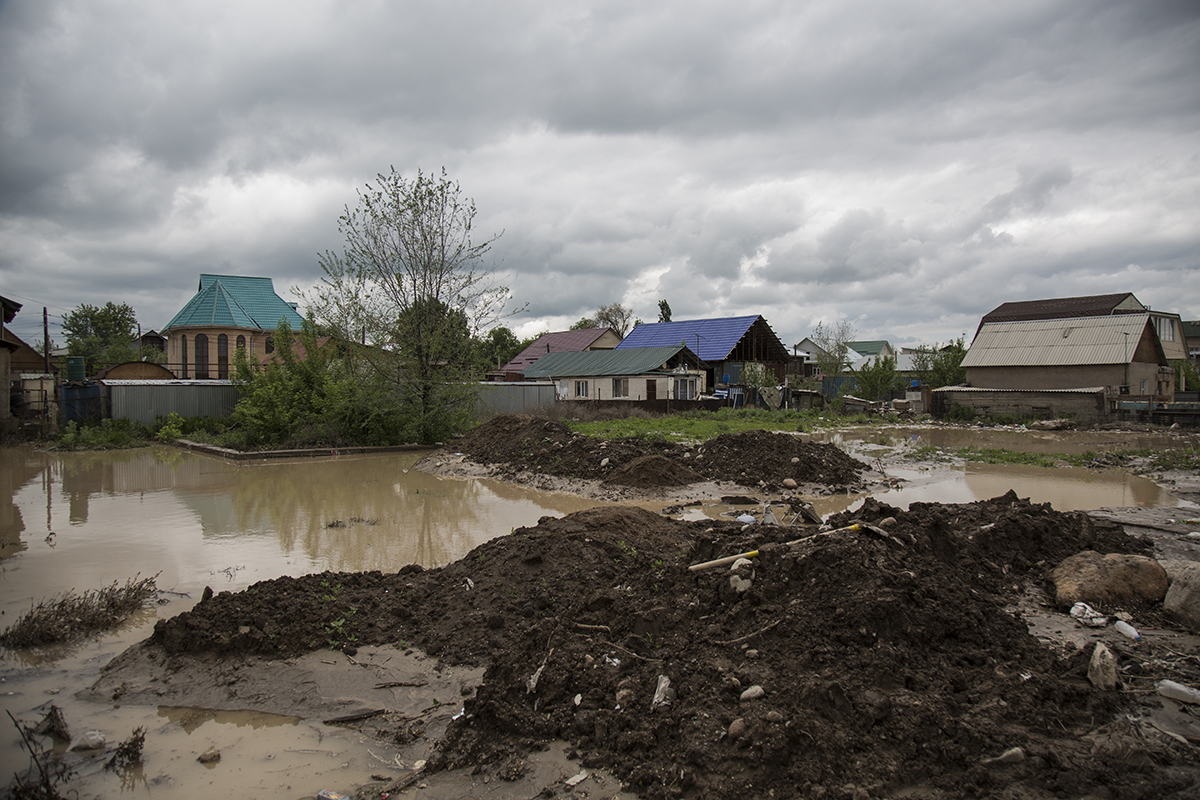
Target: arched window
x=223 y=357
x=241 y=344
x=183 y=351
x=270 y=344
x=201 y=356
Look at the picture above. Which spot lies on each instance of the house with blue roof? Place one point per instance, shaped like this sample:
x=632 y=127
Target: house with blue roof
x=725 y=344
x=228 y=311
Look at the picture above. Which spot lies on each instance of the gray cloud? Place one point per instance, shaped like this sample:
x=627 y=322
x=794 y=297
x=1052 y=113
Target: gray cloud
x=906 y=166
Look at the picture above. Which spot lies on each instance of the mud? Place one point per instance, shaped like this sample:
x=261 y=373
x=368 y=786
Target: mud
x=893 y=665
x=901 y=659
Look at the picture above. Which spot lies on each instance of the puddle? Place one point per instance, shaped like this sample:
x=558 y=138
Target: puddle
x=85 y=520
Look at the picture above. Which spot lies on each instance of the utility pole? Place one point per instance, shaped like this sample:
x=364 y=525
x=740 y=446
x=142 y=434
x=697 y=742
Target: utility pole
x=46 y=338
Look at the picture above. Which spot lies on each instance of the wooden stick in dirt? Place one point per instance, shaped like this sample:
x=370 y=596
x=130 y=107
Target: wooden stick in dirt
x=720 y=562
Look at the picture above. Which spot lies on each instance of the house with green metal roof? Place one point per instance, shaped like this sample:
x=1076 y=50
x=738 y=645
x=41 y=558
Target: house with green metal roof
x=227 y=311
x=640 y=373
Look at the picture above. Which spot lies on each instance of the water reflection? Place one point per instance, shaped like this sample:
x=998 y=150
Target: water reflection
x=189 y=719
x=84 y=520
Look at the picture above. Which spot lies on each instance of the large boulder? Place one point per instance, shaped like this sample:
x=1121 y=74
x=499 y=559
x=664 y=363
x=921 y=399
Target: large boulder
x=1109 y=580
x=1183 y=598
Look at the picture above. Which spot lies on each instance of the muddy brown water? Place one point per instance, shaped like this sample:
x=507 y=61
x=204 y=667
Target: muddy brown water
x=84 y=520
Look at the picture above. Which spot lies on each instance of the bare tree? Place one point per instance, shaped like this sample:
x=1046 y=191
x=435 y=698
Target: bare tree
x=833 y=342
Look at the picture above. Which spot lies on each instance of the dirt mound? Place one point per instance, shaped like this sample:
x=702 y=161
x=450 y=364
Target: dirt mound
x=883 y=662
x=653 y=471
x=773 y=457
x=522 y=444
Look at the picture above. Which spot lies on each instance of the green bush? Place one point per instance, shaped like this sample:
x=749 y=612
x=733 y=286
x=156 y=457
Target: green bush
x=959 y=413
x=107 y=434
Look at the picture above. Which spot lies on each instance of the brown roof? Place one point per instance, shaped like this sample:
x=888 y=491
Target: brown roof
x=558 y=342
x=1096 y=305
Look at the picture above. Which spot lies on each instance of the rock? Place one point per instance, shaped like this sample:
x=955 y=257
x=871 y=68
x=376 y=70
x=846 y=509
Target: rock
x=774 y=716
x=604 y=462
x=738 y=728
x=209 y=756
x=753 y=693
x=1013 y=755
x=789 y=483
x=1182 y=601
x=92 y=740
x=625 y=697
x=1108 y=580
x=795 y=459
x=1102 y=669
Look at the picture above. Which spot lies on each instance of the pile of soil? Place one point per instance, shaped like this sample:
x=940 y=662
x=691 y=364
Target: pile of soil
x=882 y=662
x=516 y=445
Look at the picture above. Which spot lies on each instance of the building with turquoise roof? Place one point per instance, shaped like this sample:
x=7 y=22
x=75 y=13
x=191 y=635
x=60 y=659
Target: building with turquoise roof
x=227 y=312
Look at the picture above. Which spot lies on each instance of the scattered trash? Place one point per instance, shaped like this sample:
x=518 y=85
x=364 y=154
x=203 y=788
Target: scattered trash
x=470 y=584
x=1086 y=615
x=1177 y=691
x=1013 y=755
x=330 y=794
x=1102 y=669
x=663 y=693
x=210 y=756
x=575 y=780
x=1125 y=629
x=92 y=740
x=747 y=519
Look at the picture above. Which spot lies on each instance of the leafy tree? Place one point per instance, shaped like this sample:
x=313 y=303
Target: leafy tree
x=833 y=341
x=876 y=378
x=410 y=279
x=312 y=396
x=664 y=311
x=498 y=347
x=101 y=334
x=1187 y=376
x=584 y=323
x=615 y=316
x=941 y=365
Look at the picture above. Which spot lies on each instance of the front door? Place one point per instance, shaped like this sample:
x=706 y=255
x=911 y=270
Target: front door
x=651 y=389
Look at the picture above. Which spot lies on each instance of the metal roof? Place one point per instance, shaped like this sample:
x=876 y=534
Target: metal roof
x=868 y=348
x=1076 y=341
x=236 y=301
x=557 y=342
x=622 y=361
x=711 y=339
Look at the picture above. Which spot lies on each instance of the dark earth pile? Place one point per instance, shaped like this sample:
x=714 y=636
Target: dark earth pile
x=520 y=443
x=886 y=663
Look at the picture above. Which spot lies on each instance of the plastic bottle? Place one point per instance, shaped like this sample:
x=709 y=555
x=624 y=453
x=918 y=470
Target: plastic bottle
x=1125 y=629
x=1177 y=691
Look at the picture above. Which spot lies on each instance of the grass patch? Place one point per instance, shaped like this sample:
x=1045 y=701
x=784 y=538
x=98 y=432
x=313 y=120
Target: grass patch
x=70 y=616
x=699 y=426
x=1000 y=456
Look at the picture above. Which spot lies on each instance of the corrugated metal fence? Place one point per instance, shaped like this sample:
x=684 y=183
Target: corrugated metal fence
x=515 y=398
x=142 y=401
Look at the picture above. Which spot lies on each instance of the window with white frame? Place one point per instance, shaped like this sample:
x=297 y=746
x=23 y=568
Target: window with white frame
x=620 y=387
x=581 y=389
x=685 y=388
x=1165 y=327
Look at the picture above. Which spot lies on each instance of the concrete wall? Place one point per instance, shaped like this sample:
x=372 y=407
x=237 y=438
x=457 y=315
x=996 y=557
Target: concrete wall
x=1065 y=377
x=1084 y=407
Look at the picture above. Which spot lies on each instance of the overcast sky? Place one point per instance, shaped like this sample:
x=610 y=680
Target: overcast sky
x=906 y=166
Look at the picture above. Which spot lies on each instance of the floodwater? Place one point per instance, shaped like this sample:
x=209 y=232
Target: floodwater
x=86 y=520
